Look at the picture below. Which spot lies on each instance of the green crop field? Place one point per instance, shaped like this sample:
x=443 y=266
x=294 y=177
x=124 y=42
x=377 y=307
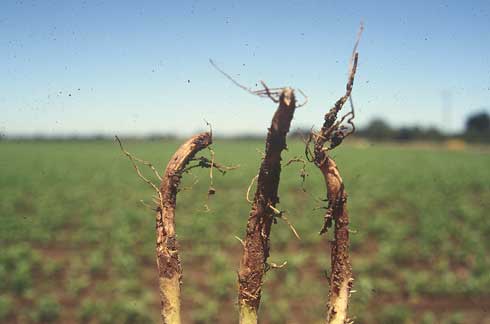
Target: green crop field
x=76 y=244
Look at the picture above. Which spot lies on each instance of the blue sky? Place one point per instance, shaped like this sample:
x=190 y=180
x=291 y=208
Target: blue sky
x=142 y=66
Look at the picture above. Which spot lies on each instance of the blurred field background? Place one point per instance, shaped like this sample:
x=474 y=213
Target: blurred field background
x=78 y=247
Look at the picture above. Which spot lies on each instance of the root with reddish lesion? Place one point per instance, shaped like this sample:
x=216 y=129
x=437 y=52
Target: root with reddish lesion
x=341 y=269
x=167 y=253
x=330 y=136
x=167 y=250
x=253 y=263
x=263 y=214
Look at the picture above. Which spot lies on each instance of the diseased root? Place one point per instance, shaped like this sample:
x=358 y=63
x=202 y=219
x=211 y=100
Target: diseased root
x=341 y=273
x=334 y=130
x=254 y=264
x=168 y=260
x=256 y=244
x=167 y=252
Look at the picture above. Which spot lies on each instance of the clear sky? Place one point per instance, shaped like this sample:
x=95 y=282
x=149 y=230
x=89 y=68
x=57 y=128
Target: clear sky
x=142 y=66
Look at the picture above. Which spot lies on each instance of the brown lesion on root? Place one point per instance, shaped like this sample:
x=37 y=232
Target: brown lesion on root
x=331 y=135
x=253 y=264
x=341 y=269
x=167 y=255
x=336 y=213
x=334 y=130
x=168 y=260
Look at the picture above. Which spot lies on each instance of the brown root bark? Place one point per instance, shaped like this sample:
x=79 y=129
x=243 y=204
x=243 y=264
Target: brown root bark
x=168 y=261
x=256 y=246
x=341 y=270
x=331 y=135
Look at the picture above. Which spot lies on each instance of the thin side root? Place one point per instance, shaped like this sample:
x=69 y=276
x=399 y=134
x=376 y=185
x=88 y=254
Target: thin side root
x=240 y=240
x=280 y=214
x=250 y=187
x=140 y=175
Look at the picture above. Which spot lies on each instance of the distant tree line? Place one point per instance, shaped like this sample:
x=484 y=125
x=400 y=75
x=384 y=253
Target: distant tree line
x=477 y=129
x=378 y=129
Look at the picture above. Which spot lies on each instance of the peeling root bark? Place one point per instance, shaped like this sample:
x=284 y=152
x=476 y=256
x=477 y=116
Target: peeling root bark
x=168 y=261
x=341 y=270
x=256 y=246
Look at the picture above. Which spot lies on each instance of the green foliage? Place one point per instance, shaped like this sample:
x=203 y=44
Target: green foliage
x=455 y=318
x=126 y=311
x=89 y=310
x=96 y=262
x=51 y=268
x=47 y=310
x=6 y=307
x=73 y=230
x=77 y=284
x=428 y=318
x=395 y=314
x=207 y=310
x=16 y=266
